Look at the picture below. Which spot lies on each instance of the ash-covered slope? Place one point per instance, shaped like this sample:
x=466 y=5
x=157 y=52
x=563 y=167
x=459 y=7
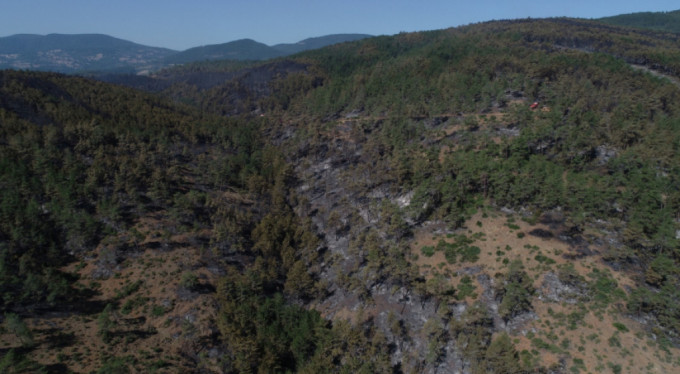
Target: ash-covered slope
x=410 y=148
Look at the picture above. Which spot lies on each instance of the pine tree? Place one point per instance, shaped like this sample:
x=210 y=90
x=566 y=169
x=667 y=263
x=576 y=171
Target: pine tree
x=18 y=327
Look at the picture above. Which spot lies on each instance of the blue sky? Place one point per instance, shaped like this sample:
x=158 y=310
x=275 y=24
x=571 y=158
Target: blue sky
x=181 y=24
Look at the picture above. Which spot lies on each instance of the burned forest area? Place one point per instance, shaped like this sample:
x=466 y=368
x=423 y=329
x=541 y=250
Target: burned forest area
x=500 y=197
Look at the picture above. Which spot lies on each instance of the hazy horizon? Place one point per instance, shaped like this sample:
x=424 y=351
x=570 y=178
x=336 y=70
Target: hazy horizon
x=180 y=25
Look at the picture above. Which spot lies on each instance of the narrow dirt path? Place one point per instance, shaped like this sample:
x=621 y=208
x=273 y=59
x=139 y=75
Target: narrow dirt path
x=671 y=78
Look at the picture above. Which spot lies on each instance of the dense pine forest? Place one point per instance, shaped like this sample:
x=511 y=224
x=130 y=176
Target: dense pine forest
x=495 y=198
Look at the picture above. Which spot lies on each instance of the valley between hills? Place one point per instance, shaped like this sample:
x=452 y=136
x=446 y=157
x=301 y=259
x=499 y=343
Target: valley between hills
x=494 y=198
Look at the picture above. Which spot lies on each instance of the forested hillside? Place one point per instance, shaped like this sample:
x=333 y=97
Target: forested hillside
x=660 y=21
x=499 y=197
x=83 y=163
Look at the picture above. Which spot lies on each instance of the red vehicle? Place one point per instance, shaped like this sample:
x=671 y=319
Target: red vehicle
x=534 y=105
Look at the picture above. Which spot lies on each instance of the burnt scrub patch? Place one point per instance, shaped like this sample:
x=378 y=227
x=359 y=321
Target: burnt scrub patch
x=541 y=233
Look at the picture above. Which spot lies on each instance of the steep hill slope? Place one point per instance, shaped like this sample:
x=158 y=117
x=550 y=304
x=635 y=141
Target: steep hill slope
x=394 y=204
x=92 y=179
x=432 y=127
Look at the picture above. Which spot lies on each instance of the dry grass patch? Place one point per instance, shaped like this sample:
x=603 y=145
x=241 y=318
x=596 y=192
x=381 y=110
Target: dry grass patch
x=588 y=330
x=154 y=319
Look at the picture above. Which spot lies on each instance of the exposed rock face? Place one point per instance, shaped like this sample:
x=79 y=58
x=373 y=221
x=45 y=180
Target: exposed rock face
x=605 y=153
x=355 y=290
x=343 y=204
x=555 y=290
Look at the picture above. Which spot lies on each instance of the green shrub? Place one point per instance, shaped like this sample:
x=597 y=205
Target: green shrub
x=465 y=288
x=470 y=253
x=189 y=281
x=115 y=365
x=427 y=251
x=158 y=310
x=620 y=326
x=460 y=248
x=516 y=291
x=544 y=259
x=604 y=288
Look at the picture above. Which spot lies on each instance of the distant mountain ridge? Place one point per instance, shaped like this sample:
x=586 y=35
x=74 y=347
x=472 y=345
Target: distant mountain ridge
x=244 y=49
x=97 y=52
x=318 y=42
x=69 y=53
x=248 y=49
x=659 y=21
